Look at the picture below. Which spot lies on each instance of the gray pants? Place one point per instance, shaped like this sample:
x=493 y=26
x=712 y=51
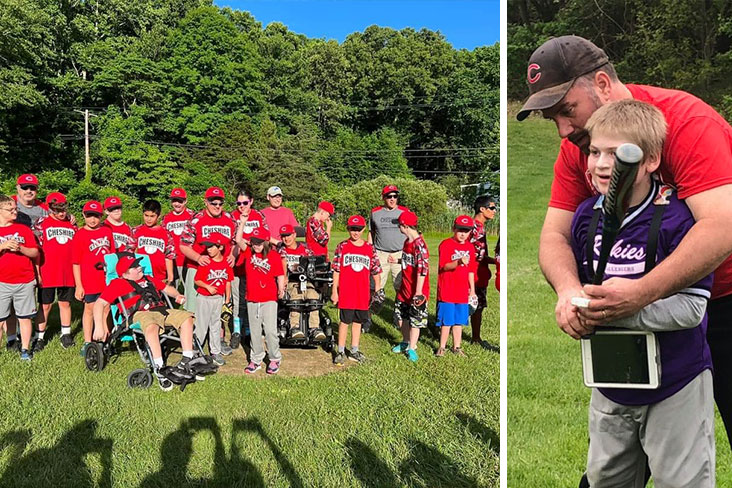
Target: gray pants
x=208 y=320
x=676 y=435
x=238 y=294
x=189 y=290
x=395 y=269
x=264 y=316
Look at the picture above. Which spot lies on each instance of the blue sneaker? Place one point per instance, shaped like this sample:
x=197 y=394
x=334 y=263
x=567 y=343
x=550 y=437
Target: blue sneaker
x=25 y=355
x=83 y=348
x=400 y=348
x=412 y=355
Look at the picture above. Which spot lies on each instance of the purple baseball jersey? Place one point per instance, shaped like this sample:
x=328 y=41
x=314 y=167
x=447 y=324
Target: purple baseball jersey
x=684 y=353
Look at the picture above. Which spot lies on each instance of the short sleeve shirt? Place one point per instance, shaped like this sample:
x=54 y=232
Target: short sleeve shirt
x=16 y=267
x=216 y=274
x=316 y=237
x=88 y=250
x=262 y=273
x=415 y=263
x=174 y=224
x=55 y=238
x=203 y=225
x=384 y=231
x=355 y=265
x=120 y=287
x=292 y=256
x=122 y=235
x=453 y=286
x=157 y=243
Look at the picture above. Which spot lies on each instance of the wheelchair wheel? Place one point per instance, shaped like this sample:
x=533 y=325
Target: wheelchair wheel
x=139 y=378
x=94 y=356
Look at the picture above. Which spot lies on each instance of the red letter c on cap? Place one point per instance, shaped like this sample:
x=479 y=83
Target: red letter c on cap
x=533 y=79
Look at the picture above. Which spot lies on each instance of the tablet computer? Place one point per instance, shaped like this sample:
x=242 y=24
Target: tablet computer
x=621 y=358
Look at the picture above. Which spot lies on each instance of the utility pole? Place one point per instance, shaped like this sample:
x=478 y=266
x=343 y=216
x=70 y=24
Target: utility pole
x=87 y=158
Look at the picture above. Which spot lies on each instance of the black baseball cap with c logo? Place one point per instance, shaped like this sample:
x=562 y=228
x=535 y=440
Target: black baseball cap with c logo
x=553 y=68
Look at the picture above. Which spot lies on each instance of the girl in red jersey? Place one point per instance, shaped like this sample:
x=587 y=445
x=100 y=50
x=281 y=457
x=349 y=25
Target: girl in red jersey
x=455 y=284
x=91 y=243
x=152 y=239
x=55 y=233
x=265 y=285
x=354 y=262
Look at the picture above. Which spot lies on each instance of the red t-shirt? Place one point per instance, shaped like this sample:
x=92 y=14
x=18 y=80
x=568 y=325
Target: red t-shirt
x=201 y=226
x=316 y=237
x=696 y=156
x=156 y=243
x=16 y=267
x=174 y=224
x=453 y=286
x=217 y=274
x=262 y=275
x=292 y=256
x=355 y=265
x=55 y=237
x=88 y=248
x=415 y=263
x=256 y=219
x=120 y=287
x=122 y=235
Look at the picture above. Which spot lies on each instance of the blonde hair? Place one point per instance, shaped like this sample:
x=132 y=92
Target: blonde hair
x=634 y=121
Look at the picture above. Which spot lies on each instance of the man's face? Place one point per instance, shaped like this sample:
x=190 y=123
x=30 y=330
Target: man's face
x=92 y=220
x=9 y=211
x=391 y=200
x=490 y=211
x=289 y=240
x=178 y=204
x=215 y=207
x=150 y=218
x=27 y=193
x=572 y=112
x=275 y=201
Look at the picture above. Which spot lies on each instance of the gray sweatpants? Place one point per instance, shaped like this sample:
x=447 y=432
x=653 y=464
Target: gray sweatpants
x=208 y=320
x=238 y=295
x=263 y=315
x=676 y=435
x=189 y=290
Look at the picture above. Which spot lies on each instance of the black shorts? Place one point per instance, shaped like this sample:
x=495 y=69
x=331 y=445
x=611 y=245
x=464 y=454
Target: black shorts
x=91 y=298
x=46 y=296
x=482 y=294
x=351 y=316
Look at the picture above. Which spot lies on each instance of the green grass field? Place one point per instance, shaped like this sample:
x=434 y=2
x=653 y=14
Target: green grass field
x=386 y=423
x=547 y=402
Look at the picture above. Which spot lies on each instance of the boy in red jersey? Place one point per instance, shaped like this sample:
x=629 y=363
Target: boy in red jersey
x=89 y=246
x=485 y=210
x=410 y=308
x=455 y=284
x=213 y=285
x=55 y=233
x=354 y=262
x=18 y=249
x=174 y=222
x=152 y=239
x=120 y=230
x=317 y=229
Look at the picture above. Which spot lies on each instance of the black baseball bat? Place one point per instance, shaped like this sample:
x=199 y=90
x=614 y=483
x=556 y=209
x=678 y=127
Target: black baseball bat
x=627 y=159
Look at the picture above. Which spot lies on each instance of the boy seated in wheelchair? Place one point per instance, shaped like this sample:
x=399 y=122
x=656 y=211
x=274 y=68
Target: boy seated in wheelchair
x=141 y=296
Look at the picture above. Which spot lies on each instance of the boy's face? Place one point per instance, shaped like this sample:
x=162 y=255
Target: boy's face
x=355 y=233
x=150 y=218
x=9 y=211
x=178 y=204
x=92 y=220
x=59 y=212
x=461 y=235
x=213 y=251
x=601 y=161
x=289 y=240
x=114 y=213
x=490 y=211
x=134 y=274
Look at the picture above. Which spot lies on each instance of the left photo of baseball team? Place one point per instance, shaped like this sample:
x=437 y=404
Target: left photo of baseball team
x=250 y=243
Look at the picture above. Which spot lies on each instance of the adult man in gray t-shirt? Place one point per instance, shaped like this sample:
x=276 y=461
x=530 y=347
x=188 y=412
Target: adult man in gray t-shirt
x=30 y=209
x=385 y=236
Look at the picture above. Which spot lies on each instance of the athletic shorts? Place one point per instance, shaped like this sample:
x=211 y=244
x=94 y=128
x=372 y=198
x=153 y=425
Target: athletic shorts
x=449 y=314
x=91 y=298
x=22 y=297
x=175 y=319
x=351 y=316
x=482 y=298
x=47 y=296
x=415 y=316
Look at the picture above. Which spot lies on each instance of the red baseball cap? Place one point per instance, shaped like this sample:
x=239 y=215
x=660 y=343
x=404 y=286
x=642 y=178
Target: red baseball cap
x=126 y=261
x=259 y=234
x=112 y=202
x=408 y=218
x=92 y=206
x=55 y=197
x=389 y=189
x=27 y=179
x=327 y=206
x=287 y=230
x=178 y=193
x=214 y=192
x=356 y=221
x=463 y=222
x=215 y=239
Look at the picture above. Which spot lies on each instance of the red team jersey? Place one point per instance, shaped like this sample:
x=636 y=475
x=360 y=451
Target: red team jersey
x=292 y=256
x=256 y=220
x=55 y=237
x=355 y=264
x=122 y=235
x=217 y=274
x=15 y=268
x=415 y=263
x=203 y=225
x=696 y=157
x=174 y=224
x=478 y=240
x=120 y=287
x=156 y=243
x=316 y=237
x=262 y=274
x=88 y=250
x=453 y=286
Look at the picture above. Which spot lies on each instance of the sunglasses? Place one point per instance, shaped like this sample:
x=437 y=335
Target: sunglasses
x=29 y=187
x=244 y=202
x=391 y=195
x=492 y=207
x=216 y=204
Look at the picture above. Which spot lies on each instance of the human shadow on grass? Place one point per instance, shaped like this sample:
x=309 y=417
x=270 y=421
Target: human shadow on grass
x=61 y=465
x=481 y=431
x=426 y=466
x=235 y=470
